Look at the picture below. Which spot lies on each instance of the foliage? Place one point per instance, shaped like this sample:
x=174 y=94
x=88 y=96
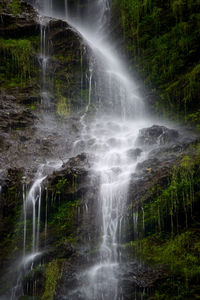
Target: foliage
x=63 y=219
x=17 y=64
x=168 y=227
x=60 y=185
x=179 y=255
x=170 y=208
x=15 y=7
x=162 y=40
x=63 y=208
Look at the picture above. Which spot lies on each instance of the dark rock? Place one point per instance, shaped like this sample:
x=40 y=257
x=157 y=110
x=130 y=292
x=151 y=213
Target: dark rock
x=134 y=153
x=148 y=165
x=81 y=160
x=14 y=116
x=24 y=136
x=17 y=26
x=159 y=135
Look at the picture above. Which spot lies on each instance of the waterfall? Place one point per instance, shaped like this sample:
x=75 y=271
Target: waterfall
x=120 y=113
x=114 y=129
x=118 y=117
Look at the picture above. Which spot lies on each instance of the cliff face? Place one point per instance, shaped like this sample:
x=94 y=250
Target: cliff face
x=23 y=97
x=25 y=138
x=162 y=40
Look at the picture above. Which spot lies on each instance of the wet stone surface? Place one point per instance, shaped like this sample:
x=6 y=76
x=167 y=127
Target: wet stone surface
x=156 y=134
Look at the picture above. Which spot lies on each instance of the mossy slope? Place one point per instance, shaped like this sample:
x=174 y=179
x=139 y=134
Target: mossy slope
x=168 y=228
x=162 y=39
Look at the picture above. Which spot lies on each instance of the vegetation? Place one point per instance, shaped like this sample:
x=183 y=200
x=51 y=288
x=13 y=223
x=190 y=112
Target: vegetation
x=15 y=7
x=11 y=6
x=179 y=256
x=53 y=274
x=168 y=227
x=63 y=220
x=17 y=66
x=161 y=38
x=178 y=197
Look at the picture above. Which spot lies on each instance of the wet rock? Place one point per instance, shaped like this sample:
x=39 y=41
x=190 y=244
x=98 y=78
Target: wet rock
x=14 y=116
x=21 y=123
x=81 y=160
x=138 y=276
x=155 y=169
x=156 y=134
x=134 y=153
x=74 y=175
x=20 y=25
x=148 y=165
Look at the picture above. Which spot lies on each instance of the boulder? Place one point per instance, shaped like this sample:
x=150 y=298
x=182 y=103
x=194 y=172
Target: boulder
x=156 y=134
x=134 y=153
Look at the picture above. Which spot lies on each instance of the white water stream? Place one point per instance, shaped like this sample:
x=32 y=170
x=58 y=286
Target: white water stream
x=110 y=137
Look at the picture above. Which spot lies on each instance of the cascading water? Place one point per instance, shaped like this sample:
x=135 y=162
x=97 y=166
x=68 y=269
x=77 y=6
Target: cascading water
x=109 y=137
x=31 y=210
x=32 y=201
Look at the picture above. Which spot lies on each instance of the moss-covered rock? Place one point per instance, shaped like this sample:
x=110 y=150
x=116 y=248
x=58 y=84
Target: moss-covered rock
x=67 y=219
x=68 y=67
x=164 y=223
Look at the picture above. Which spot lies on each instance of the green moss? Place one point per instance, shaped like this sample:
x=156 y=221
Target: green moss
x=168 y=228
x=170 y=207
x=15 y=7
x=52 y=275
x=17 y=65
x=63 y=209
x=61 y=185
x=63 y=105
x=64 y=58
x=33 y=106
x=63 y=219
x=179 y=255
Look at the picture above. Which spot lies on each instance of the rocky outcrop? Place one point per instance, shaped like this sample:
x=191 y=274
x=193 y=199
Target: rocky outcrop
x=27 y=139
x=162 y=213
x=18 y=24
x=156 y=134
x=70 y=195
